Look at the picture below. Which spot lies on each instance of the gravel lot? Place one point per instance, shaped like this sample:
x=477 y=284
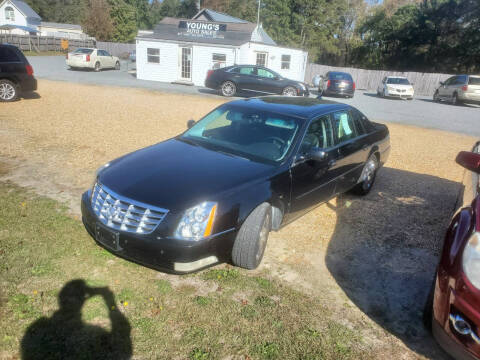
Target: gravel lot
x=422 y=111
x=374 y=257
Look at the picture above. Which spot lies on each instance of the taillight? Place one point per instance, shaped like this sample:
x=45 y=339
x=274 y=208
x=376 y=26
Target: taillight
x=209 y=72
x=29 y=69
x=87 y=58
x=465 y=87
x=354 y=85
x=328 y=83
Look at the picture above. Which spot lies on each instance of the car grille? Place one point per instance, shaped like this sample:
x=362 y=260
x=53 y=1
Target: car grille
x=120 y=213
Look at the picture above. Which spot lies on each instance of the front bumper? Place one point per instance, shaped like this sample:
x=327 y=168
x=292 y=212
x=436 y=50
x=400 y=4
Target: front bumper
x=447 y=343
x=165 y=254
x=400 y=95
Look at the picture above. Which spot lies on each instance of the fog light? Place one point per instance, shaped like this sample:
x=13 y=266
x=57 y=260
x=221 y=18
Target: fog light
x=194 y=265
x=460 y=324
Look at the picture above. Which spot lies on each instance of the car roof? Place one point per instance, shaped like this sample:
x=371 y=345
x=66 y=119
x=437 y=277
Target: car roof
x=295 y=106
x=339 y=72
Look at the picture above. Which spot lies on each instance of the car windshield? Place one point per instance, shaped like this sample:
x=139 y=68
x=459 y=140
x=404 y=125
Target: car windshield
x=250 y=133
x=340 y=76
x=473 y=80
x=83 y=51
x=398 y=81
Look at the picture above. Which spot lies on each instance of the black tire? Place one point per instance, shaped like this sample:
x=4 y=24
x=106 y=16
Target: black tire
x=428 y=308
x=97 y=66
x=370 y=172
x=436 y=97
x=117 y=65
x=455 y=100
x=289 y=91
x=9 y=91
x=250 y=242
x=228 y=89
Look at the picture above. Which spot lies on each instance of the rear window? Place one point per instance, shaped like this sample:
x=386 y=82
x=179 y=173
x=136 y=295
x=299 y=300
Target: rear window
x=473 y=80
x=83 y=51
x=398 y=81
x=340 y=76
x=8 y=55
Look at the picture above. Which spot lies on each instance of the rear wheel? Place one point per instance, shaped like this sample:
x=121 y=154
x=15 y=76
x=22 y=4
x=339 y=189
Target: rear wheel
x=8 y=91
x=436 y=98
x=369 y=173
x=455 y=100
x=117 y=65
x=97 y=66
x=289 y=91
x=228 y=88
x=252 y=238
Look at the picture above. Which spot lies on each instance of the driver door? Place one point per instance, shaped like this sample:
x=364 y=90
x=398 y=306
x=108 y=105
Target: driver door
x=313 y=182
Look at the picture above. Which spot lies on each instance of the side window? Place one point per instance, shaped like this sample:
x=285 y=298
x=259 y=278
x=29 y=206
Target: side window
x=9 y=13
x=319 y=134
x=344 y=126
x=106 y=53
x=8 y=55
x=450 y=81
x=153 y=55
x=246 y=70
x=265 y=73
x=360 y=122
x=461 y=80
x=286 y=61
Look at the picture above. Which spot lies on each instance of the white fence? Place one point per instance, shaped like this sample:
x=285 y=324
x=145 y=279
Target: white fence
x=423 y=83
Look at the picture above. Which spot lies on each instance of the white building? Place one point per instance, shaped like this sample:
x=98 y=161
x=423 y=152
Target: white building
x=17 y=17
x=183 y=50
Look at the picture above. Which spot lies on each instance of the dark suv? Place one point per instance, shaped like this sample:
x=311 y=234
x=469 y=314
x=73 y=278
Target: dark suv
x=336 y=83
x=16 y=74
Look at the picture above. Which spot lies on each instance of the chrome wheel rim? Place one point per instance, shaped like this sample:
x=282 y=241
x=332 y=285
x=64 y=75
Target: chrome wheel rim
x=7 y=91
x=289 y=92
x=263 y=237
x=228 y=89
x=454 y=100
x=97 y=66
x=117 y=66
x=369 y=173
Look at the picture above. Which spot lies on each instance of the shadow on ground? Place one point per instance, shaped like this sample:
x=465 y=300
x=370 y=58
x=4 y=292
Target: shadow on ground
x=31 y=96
x=385 y=248
x=66 y=336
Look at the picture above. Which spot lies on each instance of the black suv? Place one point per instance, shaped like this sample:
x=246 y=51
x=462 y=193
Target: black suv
x=336 y=83
x=258 y=79
x=16 y=74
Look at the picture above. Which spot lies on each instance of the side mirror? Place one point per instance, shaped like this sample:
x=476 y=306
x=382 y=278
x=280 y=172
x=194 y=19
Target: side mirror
x=190 y=123
x=316 y=154
x=442 y=83
x=469 y=160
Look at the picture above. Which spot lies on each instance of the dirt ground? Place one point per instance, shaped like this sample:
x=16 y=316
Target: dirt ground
x=375 y=256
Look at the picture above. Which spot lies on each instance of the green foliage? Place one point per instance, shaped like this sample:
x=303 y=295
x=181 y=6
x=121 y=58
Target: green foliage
x=221 y=274
x=199 y=354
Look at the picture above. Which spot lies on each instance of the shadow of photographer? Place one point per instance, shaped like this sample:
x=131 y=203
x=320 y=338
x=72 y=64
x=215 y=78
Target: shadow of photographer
x=65 y=336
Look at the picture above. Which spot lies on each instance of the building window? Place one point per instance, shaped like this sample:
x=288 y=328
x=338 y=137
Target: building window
x=219 y=61
x=9 y=13
x=153 y=55
x=286 y=62
x=262 y=59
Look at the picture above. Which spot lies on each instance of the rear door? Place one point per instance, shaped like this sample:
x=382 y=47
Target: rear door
x=244 y=77
x=104 y=62
x=267 y=82
x=350 y=150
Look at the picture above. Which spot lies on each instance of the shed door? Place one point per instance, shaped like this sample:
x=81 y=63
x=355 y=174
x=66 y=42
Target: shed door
x=185 y=63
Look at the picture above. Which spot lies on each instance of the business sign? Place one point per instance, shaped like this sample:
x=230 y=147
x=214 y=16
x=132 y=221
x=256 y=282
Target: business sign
x=202 y=29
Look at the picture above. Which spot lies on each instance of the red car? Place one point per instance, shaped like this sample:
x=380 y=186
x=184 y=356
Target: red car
x=453 y=309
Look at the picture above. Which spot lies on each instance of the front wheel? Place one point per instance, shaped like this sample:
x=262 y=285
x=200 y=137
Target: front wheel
x=228 y=89
x=8 y=91
x=367 y=178
x=252 y=237
x=117 y=65
x=436 y=98
x=97 y=66
x=289 y=91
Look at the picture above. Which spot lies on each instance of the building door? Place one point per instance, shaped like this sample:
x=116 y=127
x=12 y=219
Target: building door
x=186 y=63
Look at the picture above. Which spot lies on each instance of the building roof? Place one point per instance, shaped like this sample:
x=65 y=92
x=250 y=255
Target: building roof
x=218 y=17
x=234 y=34
x=25 y=9
x=61 y=26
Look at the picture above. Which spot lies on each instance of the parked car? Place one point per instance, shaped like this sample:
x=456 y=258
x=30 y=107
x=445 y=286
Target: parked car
x=16 y=74
x=95 y=59
x=335 y=83
x=453 y=307
x=396 y=87
x=459 y=89
x=133 y=56
x=213 y=193
x=232 y=79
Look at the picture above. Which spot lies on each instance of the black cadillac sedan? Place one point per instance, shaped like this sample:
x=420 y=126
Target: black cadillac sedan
x=213 y=193
x=257 y=79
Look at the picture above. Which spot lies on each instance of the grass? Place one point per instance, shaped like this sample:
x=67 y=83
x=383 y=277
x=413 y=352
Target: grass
x=165 y=316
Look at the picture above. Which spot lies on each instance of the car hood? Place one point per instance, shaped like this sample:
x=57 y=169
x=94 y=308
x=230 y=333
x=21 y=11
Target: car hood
x=175 y=175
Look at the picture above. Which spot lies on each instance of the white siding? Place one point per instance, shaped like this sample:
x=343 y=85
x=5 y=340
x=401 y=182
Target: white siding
x=19 y=18
x=298 y=59
x=202 y=61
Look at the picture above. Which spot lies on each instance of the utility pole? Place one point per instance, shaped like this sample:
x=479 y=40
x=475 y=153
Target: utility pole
x=258 y=13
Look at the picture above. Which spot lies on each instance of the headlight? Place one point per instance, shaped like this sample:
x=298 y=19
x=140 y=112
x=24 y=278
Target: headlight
x=389 y=88
x=471 y=260
x=197 y=222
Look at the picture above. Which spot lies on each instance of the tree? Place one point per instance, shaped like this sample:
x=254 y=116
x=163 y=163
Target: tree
x=124 y=21
x=97 y=21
